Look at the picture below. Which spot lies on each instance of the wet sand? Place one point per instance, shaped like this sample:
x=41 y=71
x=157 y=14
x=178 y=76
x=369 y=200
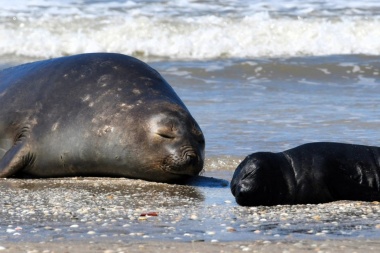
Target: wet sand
x=201 y=247
x=123 y=215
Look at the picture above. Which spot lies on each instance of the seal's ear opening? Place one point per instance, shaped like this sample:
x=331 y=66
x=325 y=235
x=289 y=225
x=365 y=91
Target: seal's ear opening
x=258 y=180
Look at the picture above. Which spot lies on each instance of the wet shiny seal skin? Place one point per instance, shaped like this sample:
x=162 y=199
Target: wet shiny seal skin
x=95 y=115
x=311 y=173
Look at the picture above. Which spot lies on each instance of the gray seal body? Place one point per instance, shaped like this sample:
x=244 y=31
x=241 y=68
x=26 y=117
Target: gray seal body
x=97 y=114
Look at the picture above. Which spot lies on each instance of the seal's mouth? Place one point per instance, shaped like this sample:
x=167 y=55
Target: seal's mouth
x=188 y=162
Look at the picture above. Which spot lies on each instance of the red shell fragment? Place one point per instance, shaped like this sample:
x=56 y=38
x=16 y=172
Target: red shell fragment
x=149 y=214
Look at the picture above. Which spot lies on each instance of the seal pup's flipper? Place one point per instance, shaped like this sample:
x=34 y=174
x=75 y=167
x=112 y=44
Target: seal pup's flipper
x=15 y=159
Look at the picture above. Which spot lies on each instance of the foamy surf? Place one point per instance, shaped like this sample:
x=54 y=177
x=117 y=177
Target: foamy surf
x=188 y=30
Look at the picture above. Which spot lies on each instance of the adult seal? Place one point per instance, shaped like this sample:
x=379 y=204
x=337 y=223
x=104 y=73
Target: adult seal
x=95 y=114
x=311 y=173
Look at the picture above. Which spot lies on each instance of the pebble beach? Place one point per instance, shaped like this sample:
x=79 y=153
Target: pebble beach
x=123 y=215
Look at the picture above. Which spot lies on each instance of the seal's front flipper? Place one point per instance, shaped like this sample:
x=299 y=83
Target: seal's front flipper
x=17 y=158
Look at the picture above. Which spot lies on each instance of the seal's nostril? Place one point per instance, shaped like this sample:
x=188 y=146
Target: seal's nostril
x=191 y=158
x=191 y=155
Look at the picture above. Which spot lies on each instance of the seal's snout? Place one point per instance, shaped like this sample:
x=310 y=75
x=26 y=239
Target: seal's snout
x=241 y=184
x=192 y=160
x=244 y=189
x=249 y=193
x=240 y=190
x=185 y=161
x=250 y=184
x=244 y=195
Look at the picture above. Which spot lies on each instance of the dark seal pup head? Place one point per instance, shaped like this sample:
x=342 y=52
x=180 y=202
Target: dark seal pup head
x=95 y=114
x=259 y=180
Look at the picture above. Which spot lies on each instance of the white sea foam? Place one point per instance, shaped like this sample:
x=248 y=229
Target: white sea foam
x=187 y=29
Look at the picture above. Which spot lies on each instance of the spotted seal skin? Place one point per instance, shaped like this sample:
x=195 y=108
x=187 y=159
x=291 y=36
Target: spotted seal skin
x=97 y=114
x=311 y=173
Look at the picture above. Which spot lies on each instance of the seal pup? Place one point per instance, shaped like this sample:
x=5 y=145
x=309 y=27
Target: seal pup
x=311 y=173
x=98 y=114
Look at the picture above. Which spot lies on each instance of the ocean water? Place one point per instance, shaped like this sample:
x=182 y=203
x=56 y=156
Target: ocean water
x=256 y=75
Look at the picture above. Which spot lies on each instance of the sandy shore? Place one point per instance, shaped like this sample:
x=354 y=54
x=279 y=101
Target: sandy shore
x=194 y=247
x=122 y=215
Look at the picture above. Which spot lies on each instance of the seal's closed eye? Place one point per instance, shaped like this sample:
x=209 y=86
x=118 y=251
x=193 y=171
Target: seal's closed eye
x=166 y=135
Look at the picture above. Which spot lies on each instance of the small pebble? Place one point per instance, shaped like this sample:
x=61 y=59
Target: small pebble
x=230 y=229
x=193 y=217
